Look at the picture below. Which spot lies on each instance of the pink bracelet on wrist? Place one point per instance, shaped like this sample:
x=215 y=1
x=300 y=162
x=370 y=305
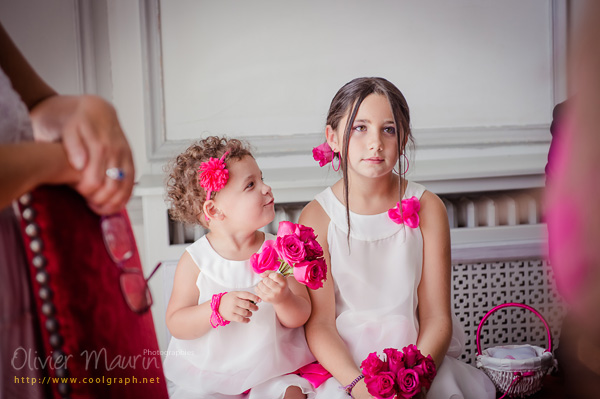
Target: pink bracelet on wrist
x=348 y=388
x=216 y=319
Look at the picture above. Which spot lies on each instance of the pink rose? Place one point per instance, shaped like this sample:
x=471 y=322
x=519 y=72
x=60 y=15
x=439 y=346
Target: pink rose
x=426 y=371
x=412 y=356
x=373 y=365
x=323 y=154
x=408 y=382
x=395 y=359
x=311 y=273
x=291 y=249
x=305 y=233
x=313 y=249
x=382 y=385
x=286 y=228
x=410 y=212
x=267 y=259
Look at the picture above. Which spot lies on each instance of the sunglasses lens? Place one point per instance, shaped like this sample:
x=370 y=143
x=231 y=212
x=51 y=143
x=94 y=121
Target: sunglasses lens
x=117 y=237
x=135 y=291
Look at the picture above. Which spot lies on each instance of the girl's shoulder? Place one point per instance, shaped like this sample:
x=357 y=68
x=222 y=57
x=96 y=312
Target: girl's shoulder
x=433 y=212
x=315 y=216
x=200 y=251
x=413 y=189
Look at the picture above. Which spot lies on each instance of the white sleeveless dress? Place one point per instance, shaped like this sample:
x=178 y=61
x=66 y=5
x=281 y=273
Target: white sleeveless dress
x=229 y=360
x=376 y=296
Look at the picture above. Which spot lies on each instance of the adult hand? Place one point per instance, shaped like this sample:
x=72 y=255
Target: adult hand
x=238 y=306
x=94 y=141
x=273 y=288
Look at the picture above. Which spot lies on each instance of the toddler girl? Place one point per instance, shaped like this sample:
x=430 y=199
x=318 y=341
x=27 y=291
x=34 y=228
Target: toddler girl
x=235 y=333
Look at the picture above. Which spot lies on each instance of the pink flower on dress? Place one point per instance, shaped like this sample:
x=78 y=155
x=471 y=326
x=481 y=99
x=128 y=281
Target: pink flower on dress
x=213 y=174
x=323 y=154
x=267 y=259
x=410 y=212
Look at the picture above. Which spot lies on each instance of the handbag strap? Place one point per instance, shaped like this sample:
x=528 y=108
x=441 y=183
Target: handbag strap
x=512 y=304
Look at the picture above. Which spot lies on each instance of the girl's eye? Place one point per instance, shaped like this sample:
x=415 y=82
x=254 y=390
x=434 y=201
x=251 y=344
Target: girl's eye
x=390 y=130
x=250 y=185
x=360 y=128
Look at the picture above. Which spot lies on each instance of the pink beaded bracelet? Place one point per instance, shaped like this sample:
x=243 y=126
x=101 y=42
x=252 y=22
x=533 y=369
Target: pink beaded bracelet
x=216 y=319
x=348 y=388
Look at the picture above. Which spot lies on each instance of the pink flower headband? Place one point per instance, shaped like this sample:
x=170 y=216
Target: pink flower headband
x=213 y=175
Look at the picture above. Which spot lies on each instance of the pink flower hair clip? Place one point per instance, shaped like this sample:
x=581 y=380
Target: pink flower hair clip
x=213 y=175
x=323 y=154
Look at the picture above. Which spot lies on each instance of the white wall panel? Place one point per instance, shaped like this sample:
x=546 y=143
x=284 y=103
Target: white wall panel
x=268 y=67
x=47 y=34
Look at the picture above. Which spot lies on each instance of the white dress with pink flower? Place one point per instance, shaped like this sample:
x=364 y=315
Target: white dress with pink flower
x=229 y=360
x=376 y=296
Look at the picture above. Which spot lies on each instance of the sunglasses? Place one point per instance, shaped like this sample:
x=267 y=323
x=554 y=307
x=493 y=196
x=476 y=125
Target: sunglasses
x=120 y=245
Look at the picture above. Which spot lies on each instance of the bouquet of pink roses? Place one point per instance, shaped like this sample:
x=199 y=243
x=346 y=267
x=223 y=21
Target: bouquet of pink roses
x=295 y=251
x=402 y=375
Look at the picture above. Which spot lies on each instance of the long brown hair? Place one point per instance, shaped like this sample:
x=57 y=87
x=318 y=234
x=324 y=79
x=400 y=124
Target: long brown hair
x=348 y=100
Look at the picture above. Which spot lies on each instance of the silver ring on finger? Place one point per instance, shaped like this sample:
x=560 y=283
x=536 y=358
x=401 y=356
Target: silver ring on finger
x=117 y=174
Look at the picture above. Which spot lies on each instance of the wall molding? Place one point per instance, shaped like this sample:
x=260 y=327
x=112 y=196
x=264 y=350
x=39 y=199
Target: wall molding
x=86 y=59
x=560 y=44
x=159 y=148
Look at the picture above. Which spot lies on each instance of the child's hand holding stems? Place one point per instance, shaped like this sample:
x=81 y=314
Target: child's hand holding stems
x=273 y=288
x=288 y=297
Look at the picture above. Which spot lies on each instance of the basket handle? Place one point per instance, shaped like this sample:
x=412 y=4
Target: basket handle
x=512 y=304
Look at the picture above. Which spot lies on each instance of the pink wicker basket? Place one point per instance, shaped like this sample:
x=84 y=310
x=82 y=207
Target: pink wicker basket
x=515 y=377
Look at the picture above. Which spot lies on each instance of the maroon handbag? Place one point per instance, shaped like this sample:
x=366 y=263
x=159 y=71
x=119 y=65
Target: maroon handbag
x=94 y=344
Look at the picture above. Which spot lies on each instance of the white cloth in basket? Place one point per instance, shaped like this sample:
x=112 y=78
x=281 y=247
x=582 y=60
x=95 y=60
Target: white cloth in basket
x=518 y=352
x=490 y=359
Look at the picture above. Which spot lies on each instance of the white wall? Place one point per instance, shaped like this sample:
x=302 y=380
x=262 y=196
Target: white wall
x=46 y=32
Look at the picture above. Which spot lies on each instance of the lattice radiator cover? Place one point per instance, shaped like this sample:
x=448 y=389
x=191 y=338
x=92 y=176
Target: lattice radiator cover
x=477 y=288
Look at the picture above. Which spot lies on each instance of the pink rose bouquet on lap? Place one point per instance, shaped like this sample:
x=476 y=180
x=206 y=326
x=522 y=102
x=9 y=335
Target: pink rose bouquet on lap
x=295 y=252
x=402 y=375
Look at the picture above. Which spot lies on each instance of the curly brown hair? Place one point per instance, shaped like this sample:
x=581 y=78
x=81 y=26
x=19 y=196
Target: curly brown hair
x=185 y=196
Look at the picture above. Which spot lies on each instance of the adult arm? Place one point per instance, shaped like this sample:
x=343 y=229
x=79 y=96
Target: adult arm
x=25 y=166
x=87 y=126
x=435 y=321
x=321 y=332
